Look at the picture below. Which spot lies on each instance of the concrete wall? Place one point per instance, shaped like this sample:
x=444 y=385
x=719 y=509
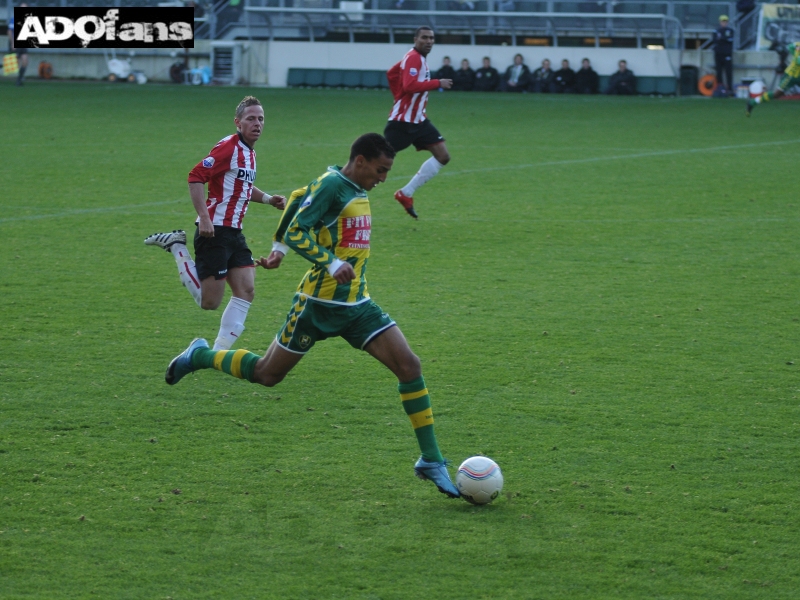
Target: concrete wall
x=267 y=63
x=326 y=55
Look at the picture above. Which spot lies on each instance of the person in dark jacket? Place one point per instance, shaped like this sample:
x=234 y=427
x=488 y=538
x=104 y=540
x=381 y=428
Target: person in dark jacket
x=587 y=81
x=464 y=79
x=487 y=79
x=446 y=71
x=745 y=7
x=517 y=76
x=543 y=79
x=723 y=52
x=564 y=79
x=623 y=82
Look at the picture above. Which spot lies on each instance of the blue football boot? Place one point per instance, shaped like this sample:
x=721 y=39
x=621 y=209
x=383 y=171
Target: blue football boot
x=437 y=473
x=181 y=365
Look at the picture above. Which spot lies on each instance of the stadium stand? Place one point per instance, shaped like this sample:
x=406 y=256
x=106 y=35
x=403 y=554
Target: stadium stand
x=555 y=21
x=671 y=21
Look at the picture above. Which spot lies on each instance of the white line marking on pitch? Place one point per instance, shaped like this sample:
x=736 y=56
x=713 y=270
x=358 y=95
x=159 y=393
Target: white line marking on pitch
x=86 y=211
x=574 y=161
x=550 y=163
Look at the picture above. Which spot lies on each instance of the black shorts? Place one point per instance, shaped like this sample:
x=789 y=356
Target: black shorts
x=216 y=255
x=401 y=135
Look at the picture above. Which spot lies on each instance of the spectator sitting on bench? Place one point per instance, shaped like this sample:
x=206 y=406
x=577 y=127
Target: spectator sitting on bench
x=487 y=79
x=565 y=79
x=587 y=81
x=517 y=76
x=543 y=79
x=446 y=71
x=623 y=82
x=464 y=78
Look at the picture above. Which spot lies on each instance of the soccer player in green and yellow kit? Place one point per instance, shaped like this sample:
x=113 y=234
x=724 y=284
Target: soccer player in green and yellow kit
x=329 y=224
x=791 y=77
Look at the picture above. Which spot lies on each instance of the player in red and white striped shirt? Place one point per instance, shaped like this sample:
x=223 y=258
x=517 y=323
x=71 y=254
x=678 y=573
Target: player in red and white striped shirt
x=229 y=170
x=408 y=124
x=220 y=248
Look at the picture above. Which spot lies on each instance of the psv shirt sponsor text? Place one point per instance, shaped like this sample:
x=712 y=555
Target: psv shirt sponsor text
x=248 y=175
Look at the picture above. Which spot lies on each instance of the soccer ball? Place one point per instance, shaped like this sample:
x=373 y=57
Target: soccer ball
x=479 y=480
x=756 y=88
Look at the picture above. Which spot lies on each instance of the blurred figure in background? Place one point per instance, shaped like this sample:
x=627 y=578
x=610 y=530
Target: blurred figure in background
x=587 y=81
x=723 y=53
x=487 y=79
x=446 y=71
x=22 y=53
x=464 y=79
x=623 y=82
x=791 y=78
x=564 y=79
x=543 y=79
x=517 y=76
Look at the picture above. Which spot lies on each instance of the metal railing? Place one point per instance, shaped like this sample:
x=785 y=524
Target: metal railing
x=515 y=18
x=515 y=24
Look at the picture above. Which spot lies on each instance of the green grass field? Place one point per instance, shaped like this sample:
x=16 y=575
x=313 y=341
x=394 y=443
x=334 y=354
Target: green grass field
x=604 y=293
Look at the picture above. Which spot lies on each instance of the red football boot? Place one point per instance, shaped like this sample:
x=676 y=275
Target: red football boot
x=406 y=202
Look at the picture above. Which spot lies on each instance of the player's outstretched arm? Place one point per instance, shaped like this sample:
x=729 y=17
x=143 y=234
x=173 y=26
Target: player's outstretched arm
x=273 y=261
x=411 y=82
x=263 y=197
x=412 y=86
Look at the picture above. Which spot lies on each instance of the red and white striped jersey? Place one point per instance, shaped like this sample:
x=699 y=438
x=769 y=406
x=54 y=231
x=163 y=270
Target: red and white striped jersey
x=416 y=80
x=229 y=170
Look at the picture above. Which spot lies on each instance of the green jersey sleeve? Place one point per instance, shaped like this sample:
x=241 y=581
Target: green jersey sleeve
x=301 y=233
x=289 y=211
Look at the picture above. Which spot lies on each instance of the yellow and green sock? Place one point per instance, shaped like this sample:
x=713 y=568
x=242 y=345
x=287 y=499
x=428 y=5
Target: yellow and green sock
x=417 y=404
x=239 y=363
x=764 y=97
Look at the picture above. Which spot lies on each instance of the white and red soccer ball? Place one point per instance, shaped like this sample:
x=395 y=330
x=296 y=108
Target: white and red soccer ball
x=479 y=480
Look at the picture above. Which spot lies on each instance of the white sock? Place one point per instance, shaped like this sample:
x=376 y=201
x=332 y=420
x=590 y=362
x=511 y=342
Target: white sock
x=428 y=169
x=232 y=324
x=187 y=271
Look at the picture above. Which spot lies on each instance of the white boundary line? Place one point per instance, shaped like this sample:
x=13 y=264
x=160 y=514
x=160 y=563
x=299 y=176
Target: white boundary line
x=655 y=153
x=85 y=211
x=551 y=163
